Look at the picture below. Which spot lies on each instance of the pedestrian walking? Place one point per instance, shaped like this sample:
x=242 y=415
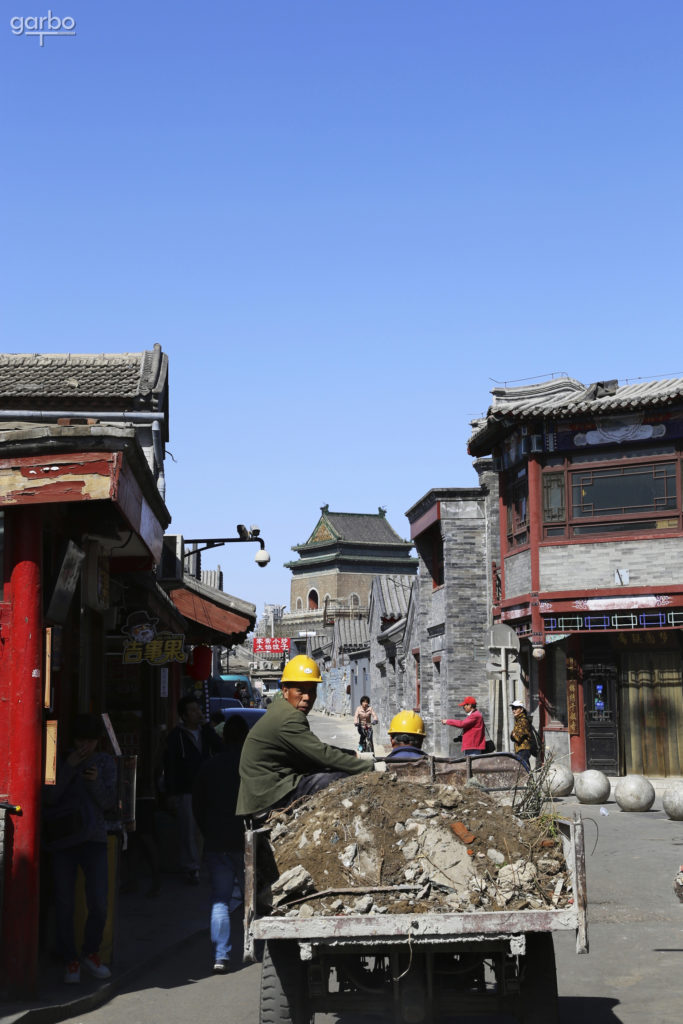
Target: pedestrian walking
x=189 y=744
x=75 y=833
x=522 y=734
x=214 y=798
x=473 y=739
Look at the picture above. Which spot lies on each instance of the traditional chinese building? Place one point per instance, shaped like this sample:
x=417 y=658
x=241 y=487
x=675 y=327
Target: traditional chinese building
x=81 y=507
x=337 y=563
x=84 y=623
x=591 y=567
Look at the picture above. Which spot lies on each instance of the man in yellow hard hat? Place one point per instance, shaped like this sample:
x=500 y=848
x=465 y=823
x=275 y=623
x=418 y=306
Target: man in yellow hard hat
x=407 y=733
x=282 y=759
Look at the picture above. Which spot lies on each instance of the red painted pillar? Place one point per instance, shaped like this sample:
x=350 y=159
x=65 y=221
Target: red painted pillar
x=535 y=534
x=24 y=761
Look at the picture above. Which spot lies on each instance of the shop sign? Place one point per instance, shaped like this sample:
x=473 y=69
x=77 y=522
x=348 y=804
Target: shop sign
x=143 y=643
x=271 y=644
x=573 y=707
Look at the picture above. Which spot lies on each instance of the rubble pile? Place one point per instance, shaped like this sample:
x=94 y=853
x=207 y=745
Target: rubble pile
x=380 y=843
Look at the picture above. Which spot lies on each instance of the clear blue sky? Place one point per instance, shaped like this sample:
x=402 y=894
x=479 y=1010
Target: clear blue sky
x=341 y=220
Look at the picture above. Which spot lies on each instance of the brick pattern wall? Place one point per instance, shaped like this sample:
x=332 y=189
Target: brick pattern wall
x=649 y=563
x=518 y=574
x=467 y=614
x=339 y=585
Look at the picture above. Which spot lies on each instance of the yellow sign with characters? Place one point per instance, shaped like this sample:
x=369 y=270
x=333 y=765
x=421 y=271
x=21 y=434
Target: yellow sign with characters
x=163 y=649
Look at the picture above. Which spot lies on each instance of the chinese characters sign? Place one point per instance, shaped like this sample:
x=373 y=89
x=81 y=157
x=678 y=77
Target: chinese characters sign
x=143 y=643
x=164 y=648
x=271 y=644
x=573 y=708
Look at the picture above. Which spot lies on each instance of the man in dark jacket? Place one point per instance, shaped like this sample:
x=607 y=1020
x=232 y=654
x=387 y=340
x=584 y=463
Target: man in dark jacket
x=282 y=759
x=214 y=798
x=190 y=743
x=86 y=790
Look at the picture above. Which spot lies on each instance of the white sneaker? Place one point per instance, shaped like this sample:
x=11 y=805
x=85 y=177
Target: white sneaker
x=93 y=964
x=72 y=973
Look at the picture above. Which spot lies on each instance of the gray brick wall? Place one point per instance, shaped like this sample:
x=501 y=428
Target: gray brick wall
x=649 y=563
x=518 y=574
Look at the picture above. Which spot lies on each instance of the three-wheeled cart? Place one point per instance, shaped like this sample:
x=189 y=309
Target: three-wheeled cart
x=413 y=968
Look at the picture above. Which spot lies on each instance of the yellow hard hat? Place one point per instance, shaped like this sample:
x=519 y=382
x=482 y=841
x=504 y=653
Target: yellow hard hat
x=301 y=669
x=407 y=721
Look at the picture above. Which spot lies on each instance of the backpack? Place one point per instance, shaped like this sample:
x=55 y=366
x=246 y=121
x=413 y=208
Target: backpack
x=535 y=741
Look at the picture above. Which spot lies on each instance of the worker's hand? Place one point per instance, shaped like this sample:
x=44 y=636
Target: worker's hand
x=444 y=721
x=90 y=773
x=380 y=766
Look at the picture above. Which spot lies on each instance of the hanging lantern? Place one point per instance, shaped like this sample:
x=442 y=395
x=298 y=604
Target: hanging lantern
x=199 y=666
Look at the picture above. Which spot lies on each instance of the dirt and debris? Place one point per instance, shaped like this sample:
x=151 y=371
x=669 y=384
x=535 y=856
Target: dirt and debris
x=380 y=843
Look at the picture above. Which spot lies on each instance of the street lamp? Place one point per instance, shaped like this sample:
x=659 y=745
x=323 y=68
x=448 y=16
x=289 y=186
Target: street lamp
x=243 y=535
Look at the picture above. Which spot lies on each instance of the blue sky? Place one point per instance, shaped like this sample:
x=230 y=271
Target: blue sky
x=341 y=221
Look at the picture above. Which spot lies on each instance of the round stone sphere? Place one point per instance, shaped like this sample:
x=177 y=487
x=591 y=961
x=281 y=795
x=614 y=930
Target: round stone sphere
x=634 y=793
x=592 y=787
x=672 y=801
x=560 y=780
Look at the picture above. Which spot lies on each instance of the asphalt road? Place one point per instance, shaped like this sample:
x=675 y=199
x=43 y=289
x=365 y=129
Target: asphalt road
x=633 y=973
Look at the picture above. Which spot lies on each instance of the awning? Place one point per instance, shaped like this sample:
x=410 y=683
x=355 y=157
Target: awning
x=226 y=625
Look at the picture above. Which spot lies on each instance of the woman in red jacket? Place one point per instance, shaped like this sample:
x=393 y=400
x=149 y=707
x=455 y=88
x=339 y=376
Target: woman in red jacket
x=473 y=733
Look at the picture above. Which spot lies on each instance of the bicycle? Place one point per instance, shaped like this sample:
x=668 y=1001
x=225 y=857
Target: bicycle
x=366 y=744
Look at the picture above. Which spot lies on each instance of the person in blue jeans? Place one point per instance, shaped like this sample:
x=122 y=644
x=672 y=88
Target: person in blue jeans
x=76 y=835
x=214 y=797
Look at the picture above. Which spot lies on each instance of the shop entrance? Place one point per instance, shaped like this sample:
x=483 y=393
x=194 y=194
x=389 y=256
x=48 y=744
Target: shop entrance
x=651 y=711
x=600 y=710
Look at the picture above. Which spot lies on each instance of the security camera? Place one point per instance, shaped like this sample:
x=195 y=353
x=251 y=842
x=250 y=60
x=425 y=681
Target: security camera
x=262 y=558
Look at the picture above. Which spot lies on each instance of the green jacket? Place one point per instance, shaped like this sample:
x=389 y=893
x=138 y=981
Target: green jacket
x=279 y=750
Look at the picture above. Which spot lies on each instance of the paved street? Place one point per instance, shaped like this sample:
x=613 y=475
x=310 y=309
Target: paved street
x=633 y=974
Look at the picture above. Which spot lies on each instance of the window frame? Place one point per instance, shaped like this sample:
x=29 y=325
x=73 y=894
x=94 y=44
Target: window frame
x=517 y=527
x=578 y=528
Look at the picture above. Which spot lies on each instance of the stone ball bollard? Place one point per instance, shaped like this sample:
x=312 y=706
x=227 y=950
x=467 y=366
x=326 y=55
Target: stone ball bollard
x=560 y=780
x=672 y=801
x=592 y=787
x=634 y=793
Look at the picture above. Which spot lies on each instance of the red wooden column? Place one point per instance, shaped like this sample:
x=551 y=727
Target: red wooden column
x=535 y=514
x=23 y=770
x=535 y=534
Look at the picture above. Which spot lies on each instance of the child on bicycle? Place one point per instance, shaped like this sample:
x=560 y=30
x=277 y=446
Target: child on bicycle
x=364 y=718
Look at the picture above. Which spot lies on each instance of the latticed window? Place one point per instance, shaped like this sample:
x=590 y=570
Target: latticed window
x=554 y=509
x=517 y=505
x=624 y=490
x=631 y=497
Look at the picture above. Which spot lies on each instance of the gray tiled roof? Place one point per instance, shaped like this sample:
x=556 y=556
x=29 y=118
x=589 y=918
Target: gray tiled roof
x=362 y=527
x=352 y=632
x=393 y=594
x=568 y=397
x=130 y=378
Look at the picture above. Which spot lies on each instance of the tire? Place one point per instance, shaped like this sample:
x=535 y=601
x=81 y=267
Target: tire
x=538 y=988
x=284 y=991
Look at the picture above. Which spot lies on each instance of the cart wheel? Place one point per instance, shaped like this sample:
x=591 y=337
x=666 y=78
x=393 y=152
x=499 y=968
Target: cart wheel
x=284 y=993
x=538 y=988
